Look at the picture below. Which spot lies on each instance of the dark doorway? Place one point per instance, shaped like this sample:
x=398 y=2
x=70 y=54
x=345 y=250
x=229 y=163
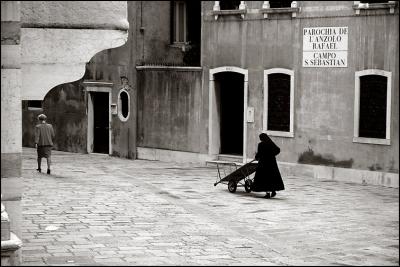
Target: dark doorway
x=231 y=112
x=100 y=122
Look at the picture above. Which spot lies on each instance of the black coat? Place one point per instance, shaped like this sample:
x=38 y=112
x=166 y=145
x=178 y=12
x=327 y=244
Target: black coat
x=267 y=177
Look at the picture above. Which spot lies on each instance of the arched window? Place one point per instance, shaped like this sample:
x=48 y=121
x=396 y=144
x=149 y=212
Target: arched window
x=278 y=102
x=372 y=107
x=123 y=105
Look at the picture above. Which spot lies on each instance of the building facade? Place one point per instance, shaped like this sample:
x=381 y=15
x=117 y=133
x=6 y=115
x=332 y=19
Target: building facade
x=199 y=81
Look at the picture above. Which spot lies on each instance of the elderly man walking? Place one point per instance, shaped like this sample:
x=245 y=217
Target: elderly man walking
x=44 y=135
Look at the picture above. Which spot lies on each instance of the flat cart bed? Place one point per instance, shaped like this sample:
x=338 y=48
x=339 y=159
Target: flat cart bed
x=241 y=172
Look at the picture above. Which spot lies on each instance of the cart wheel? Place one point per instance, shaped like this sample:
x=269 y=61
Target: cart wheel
x=247 y=186
x=232 y=186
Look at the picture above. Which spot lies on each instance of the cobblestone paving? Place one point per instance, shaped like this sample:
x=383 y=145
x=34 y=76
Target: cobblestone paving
x=101 y=210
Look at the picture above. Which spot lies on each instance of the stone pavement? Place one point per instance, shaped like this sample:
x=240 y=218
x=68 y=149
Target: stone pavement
x=100 y=210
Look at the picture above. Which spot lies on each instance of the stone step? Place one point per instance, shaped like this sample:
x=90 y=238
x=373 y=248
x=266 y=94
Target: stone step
x=232 y=158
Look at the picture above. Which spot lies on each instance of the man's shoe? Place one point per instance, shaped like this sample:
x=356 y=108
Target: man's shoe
x=39 y=170
x=48 y=171
x=267 y=195
x=273 y=194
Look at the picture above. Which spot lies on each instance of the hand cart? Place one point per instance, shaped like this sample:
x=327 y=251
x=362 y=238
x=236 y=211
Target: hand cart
x=236 y=175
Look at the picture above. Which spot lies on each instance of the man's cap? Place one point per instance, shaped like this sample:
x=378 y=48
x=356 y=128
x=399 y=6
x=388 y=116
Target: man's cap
x=42 y=117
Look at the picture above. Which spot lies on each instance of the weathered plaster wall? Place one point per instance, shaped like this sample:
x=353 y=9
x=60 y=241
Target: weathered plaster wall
x=65 y=107
x=324 y=97
x=169 y=109
x=109 y=66
x=154 y=40
x=58 y=39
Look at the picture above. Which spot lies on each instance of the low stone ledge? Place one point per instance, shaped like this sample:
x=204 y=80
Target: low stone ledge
x=10 y=255
x=11 y=245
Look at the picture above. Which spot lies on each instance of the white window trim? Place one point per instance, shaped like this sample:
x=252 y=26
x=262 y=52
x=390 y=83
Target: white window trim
x=377 y=141
x=265 y=111
x=120 y=116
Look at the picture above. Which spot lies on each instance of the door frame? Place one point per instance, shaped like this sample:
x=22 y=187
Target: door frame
x=213 y=126
x=95 y=87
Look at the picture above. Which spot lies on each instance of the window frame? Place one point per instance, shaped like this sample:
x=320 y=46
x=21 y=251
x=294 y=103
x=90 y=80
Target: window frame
x=370 y=140
x=120 y=116
x=175 y=24
x=265 y=110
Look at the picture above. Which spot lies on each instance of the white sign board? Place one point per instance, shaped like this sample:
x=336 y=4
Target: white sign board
x=325 y=47
x=250 y=114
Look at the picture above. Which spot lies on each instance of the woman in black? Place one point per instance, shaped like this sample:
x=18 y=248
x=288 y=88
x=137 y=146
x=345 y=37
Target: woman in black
x=267 y=177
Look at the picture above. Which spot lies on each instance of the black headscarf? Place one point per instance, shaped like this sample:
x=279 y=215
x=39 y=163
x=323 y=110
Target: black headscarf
x=264 y=137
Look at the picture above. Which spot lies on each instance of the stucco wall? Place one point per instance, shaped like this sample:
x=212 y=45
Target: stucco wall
x=65 y=108
x=324 y=97
x=155 y=21
x=169 y=109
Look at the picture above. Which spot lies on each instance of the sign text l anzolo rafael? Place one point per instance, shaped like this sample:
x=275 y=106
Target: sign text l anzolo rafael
x=325 y=47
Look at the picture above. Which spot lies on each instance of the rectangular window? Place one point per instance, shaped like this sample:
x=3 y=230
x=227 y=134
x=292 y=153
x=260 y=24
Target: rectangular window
x=278 y=102
x=229 y=5
x=373 y=2
x=373 y=97
x=179 y=22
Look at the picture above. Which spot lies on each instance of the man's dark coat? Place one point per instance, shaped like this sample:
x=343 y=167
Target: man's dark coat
x=267 y=177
